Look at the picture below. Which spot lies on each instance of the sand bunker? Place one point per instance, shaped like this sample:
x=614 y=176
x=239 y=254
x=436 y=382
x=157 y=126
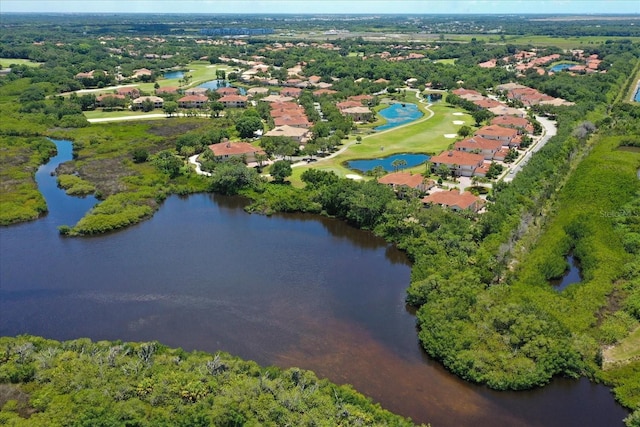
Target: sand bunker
x=458 y=122
x=458 y=114
x=450 y=135
x=353 y=176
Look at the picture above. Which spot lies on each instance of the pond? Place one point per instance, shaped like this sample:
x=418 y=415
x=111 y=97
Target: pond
x=637 y=97
x=215 y=84
x=399 y=114
x=173 y=74
x=203 y=274
x=560 y=67
x=387 y=163
x=571 y=275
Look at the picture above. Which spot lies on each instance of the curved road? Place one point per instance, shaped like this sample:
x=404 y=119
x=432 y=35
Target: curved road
x=549 y=130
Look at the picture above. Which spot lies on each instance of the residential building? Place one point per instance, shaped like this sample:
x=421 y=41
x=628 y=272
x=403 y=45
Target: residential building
x=459 y=162
x=156 y=100
x=455 y=200
x=398 y=180
x=479 y=145
x=233 y=101
x=228 y=150
x=300 y=135
x=499 y=133
x=193 y=101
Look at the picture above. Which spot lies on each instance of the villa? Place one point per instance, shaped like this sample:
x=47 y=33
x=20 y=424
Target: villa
x=498 y=133
x=193 y=101
x=455 y=200
x=300 y=135
x=479 y=145
x=228 y=150
x=156 y=100
x=459 y=162
x=233 y=101
x=398 y=180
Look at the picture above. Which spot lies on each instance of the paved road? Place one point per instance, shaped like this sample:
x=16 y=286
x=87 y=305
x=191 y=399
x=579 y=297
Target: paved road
x=549 y=130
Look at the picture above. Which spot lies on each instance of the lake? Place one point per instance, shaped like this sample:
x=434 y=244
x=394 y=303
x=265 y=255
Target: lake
x=173 y=74
x=399 y=114
x=366 y=165
x=285 y=290
x=215 y=84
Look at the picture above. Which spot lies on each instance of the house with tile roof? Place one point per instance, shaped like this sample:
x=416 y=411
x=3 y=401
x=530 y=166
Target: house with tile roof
x=156 y=100
x=499 y=133
x=455 y=200
x=479 y=145
x=459 y=162
x=227 y=150
x=193 y=101
x=397 y=180
x=520 y=123
x=234 y=101
x=300 y=135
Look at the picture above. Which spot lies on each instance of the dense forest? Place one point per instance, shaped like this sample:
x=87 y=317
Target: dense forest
x=479 y=283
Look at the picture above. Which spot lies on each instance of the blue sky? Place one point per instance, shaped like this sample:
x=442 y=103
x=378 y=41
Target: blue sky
x=324 y=6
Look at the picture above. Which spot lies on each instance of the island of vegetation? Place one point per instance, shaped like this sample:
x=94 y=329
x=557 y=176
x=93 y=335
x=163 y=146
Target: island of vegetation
x=527 y=166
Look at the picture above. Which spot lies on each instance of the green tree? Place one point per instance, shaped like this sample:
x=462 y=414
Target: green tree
x=170 y=108
x=168 y=163
x=280 y=170
x=248 y=125
x=443 y=171
x=465 y=131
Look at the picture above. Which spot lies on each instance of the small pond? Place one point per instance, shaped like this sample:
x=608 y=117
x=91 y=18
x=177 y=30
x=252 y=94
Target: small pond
x=215 y=84
x=560 y=67
x=174 y=75
x=399 y=114
x=637 y=97
x=387 y=162
x=571 y=275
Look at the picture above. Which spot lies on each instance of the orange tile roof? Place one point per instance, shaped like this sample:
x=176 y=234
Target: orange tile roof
x=458 y=158
x=234 y=148
x=478 y=143
x=402 y=178
x=452 y=198
x=494 y=130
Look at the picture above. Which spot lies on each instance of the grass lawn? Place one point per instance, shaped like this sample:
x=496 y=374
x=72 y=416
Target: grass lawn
x=422 y=136
x=450 y=61
x=6 y=62
x=625 y=351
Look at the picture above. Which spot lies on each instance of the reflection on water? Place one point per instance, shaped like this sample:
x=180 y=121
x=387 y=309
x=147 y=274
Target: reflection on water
x=289 y=290
x=571 y=276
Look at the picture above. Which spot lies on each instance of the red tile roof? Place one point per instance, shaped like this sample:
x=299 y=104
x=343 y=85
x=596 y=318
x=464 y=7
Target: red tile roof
x=234 y=148
x=511 y=121
x=460 y=158
x=498 y=131
x=478 y=143
x=193 y=98
x=453 y=198
x=227 y=90
x=233 y=98
x=402 y=178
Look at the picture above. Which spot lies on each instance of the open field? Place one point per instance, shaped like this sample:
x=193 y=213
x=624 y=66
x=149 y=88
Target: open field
x=7 y=62
x=625 y=351
x=561 y=42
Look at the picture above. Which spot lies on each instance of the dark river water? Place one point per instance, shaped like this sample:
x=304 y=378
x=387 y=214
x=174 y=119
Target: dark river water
x=290 y=290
